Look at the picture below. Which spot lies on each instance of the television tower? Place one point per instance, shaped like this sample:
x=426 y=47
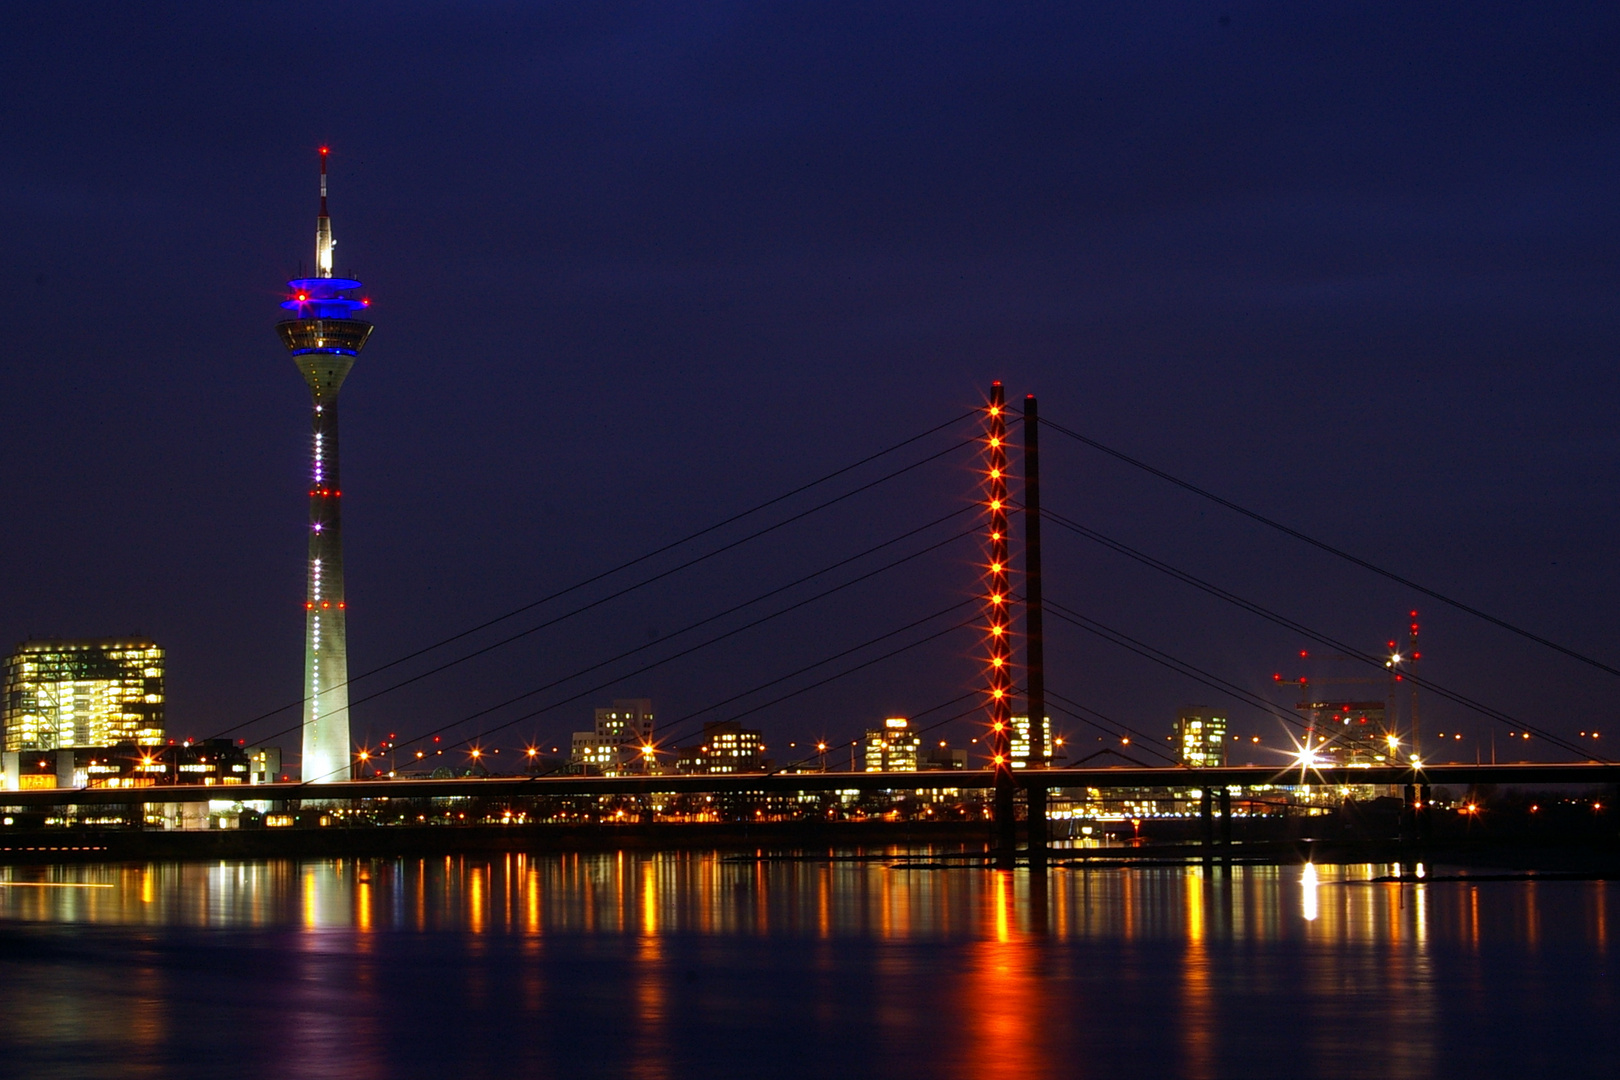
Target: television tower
x=325 y=336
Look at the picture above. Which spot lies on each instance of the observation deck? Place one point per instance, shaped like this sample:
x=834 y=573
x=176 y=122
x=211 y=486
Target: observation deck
x=325 y=317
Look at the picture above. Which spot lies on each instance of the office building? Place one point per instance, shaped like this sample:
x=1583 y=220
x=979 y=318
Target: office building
x=64 y=694
x=727 y=747
x=894 y=747
x=615 y=744
x=1200 y=737
x=1020 y=742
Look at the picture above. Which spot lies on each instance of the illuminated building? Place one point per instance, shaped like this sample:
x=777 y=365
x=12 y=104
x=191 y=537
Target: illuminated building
x=63 y=694
x=614 y=746
x=264 y=764
x=208 y=762
x=1200 y=737
x=1347 y=732
x=941 y=758
x=1020 y=741
x=892 y=747
x=727 y=747
x=325 y=336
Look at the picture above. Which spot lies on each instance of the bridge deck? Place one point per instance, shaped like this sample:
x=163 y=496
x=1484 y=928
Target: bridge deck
x=588 y=786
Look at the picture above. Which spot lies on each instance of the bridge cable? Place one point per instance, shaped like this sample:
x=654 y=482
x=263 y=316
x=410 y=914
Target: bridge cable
x=685 y=629
x=1329 y=548
x=1073 y=710
x=801 y=690
x=1300 y=628
x=1182 y=667
x=701 y=645
x=653 y=554
x=599 y=601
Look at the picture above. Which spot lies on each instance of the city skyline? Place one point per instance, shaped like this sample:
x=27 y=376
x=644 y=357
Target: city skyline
x=593 y=351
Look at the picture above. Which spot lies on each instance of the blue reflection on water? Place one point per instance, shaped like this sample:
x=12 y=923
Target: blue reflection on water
x=693 y=964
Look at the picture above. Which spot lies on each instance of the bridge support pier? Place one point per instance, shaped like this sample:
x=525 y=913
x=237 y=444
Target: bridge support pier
x=1226 y=817
x=1206 y=818
x=1005 y=837
x=1035 y=825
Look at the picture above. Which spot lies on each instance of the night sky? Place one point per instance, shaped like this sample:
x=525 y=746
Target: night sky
x=638 y=267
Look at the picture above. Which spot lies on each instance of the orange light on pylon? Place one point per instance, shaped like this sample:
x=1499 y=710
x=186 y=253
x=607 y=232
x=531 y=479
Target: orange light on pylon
x=997 y=591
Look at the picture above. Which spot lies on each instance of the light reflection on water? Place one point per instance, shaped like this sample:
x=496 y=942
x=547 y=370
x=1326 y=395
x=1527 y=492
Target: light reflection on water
x=680 y=964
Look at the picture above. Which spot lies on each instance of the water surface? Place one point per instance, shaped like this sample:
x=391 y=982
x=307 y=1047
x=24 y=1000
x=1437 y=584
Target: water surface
x=701 y=965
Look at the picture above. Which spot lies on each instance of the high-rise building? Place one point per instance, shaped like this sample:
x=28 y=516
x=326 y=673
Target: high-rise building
x=1020 y=741
x=65 y=694
x=893 y=747
x=614 y=745
x=325 y=335
x=1200 y=737
x=727 y=747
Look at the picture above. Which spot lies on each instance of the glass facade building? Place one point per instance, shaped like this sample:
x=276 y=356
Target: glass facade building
x=892 y=748
x=1200 y=737
x=64 y=694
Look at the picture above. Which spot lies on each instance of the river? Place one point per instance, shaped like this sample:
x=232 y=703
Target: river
x=698 y=964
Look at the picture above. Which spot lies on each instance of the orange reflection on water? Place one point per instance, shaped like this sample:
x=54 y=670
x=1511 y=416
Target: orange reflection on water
x=477 y=913
x=1198 y=1019
x=1004 y=1033
x=531 y=902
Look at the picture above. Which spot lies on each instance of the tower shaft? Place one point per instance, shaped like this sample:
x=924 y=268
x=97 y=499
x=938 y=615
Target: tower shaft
x=326 y=647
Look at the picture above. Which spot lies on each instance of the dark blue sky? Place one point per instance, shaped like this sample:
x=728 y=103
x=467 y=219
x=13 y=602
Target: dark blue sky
x=638 y=266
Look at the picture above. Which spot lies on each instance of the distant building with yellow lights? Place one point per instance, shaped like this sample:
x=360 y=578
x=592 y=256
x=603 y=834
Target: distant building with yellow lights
x=614 y=745
x=1200 y=737
x=1020 y=741
x=727 y=747
x=208 y=762
x=64 y=694
x=894 y=747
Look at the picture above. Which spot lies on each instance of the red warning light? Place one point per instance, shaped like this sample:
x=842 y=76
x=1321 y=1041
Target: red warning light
x=1303 y=653
x=325 y=150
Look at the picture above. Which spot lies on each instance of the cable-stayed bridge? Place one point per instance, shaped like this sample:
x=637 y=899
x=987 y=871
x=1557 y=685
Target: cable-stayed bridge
x=1003 y=608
